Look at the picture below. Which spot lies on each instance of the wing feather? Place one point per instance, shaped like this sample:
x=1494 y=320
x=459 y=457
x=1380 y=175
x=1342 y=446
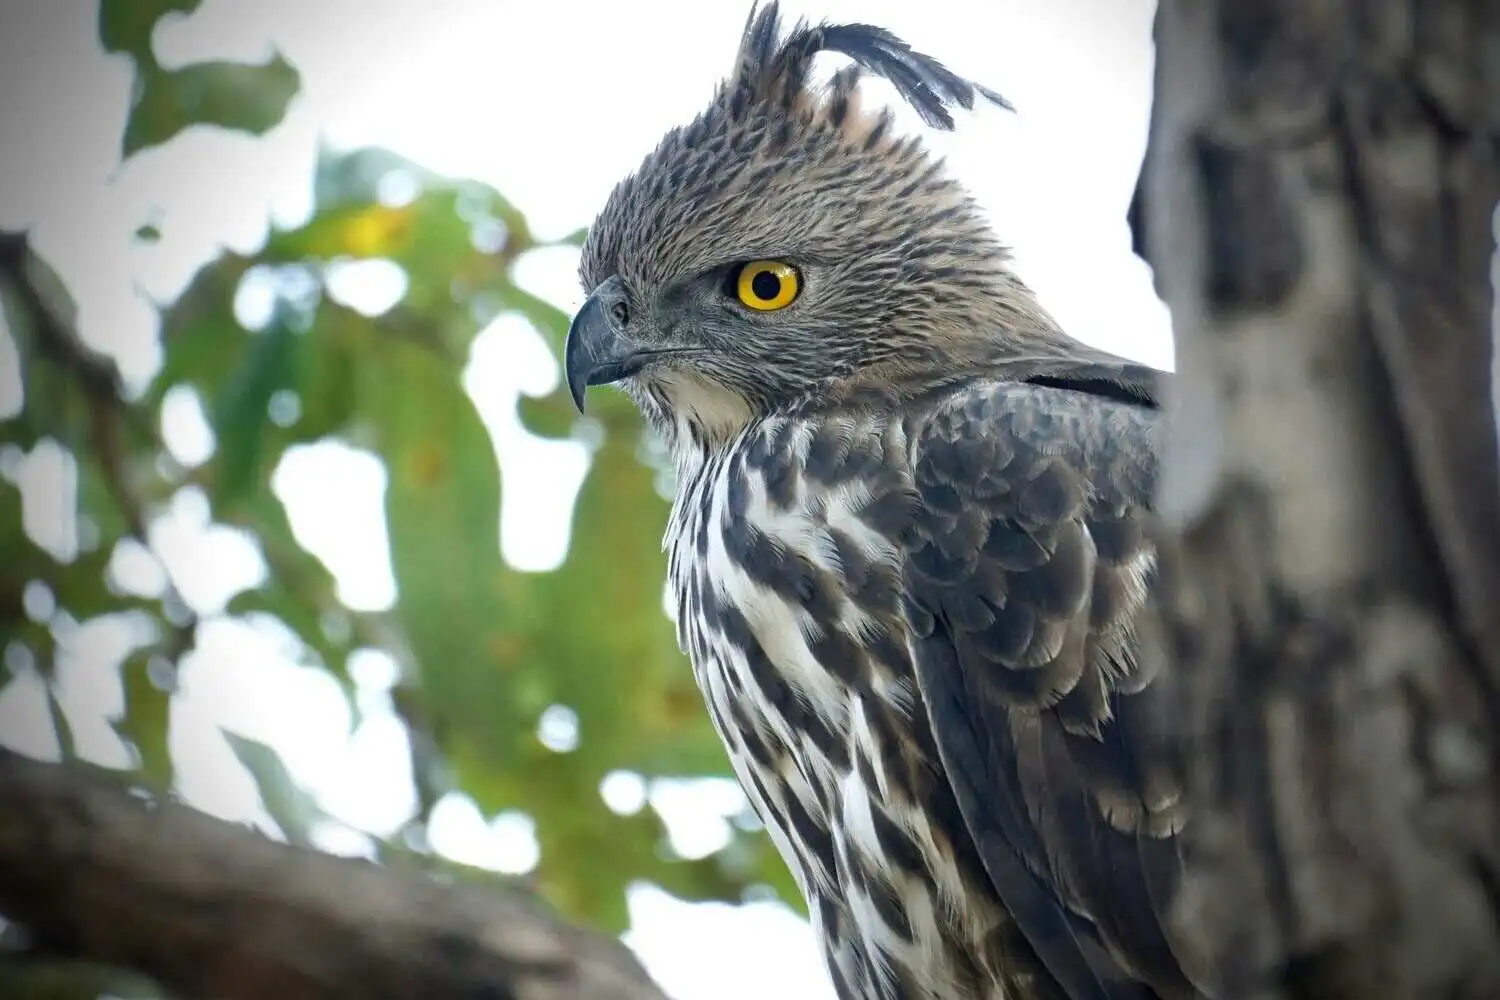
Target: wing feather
x=1026 y=565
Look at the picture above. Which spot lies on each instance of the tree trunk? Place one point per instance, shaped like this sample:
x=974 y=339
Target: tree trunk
x=1317 y=202
x=98 y=872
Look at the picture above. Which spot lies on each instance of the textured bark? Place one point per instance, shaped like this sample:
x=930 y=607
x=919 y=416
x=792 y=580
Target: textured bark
x=1317 y=203
x=209 y=909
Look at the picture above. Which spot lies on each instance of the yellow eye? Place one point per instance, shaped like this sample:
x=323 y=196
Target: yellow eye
x=768 y=284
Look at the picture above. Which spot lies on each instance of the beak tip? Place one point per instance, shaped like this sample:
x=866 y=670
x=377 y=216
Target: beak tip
x=575 y=373
x=578 y=383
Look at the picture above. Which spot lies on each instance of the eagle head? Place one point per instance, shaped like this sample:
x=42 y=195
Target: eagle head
x=788 y=242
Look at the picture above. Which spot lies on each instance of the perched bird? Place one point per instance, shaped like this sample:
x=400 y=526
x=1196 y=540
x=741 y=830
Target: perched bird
x=910 y=546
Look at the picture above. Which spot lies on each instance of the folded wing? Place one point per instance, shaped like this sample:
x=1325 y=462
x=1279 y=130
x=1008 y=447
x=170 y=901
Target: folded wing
x=1026 y=574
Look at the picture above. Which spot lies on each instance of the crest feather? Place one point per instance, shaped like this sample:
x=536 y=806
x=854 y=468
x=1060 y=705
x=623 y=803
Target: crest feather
x=776 y=73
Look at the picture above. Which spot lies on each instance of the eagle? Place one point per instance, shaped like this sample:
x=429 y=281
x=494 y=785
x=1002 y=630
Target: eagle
x=911 y=547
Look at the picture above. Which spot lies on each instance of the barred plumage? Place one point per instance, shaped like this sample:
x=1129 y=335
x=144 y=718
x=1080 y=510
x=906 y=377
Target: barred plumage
x=910 y=544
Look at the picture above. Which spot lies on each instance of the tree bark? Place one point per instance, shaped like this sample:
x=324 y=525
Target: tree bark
x=96 y=870
x=1317 y=202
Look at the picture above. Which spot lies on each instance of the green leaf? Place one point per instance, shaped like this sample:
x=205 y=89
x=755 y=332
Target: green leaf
x=126 y=25
x=242 y=97
x=442 y=509
x=147 y=716
x=294 y=810
x=60 y=725
x=652 y=721
x=96 y=495
x=240 y=419
x=297 y=613
x=299 y=590
x=203 y=344
x=329 y=356
x=551 y=416
x=354 y=177
x=81 y=586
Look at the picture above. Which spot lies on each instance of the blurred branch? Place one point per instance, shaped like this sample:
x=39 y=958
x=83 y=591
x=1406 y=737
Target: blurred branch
x=55 y=331
x=56 y=337
x=48 y=313
x=101 y=872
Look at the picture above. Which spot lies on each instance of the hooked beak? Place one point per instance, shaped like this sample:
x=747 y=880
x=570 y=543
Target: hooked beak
x=598 y=351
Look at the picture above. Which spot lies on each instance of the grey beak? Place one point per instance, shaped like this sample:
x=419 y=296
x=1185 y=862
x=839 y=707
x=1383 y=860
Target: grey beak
x=598 y=350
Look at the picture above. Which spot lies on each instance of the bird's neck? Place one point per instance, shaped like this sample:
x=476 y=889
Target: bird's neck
x=997 y=330
x=693 y=416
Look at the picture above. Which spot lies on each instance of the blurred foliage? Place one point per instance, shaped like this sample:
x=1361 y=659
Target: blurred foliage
x=483 y=649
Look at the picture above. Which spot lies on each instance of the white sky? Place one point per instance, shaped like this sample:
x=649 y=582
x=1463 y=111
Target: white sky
x=551 y=103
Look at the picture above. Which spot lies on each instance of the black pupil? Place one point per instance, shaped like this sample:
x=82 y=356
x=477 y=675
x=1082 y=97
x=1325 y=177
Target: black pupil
x=766 y=285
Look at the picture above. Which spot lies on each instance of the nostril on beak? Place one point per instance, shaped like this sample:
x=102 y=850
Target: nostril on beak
x=620 y=312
